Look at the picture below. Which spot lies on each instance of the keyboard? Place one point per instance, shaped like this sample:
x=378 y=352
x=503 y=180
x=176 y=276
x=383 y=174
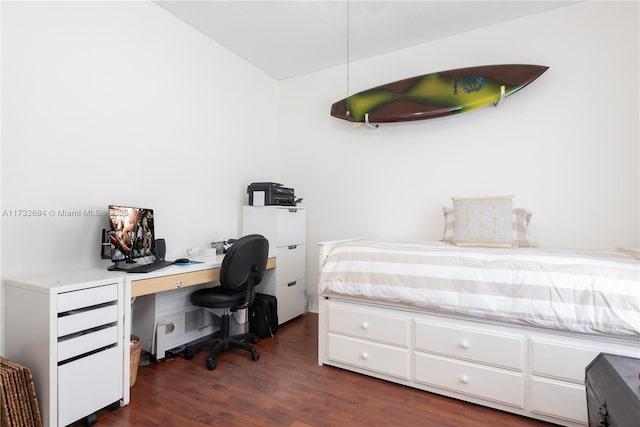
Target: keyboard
x=147 y=268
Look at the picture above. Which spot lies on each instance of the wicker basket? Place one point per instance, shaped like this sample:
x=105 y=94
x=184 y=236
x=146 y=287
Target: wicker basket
x=136 y=347
x=18 y=401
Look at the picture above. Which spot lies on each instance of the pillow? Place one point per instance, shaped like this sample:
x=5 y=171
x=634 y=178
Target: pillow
x=519 y=217
x=521 y=235
x=483 y=222
x=449 y=224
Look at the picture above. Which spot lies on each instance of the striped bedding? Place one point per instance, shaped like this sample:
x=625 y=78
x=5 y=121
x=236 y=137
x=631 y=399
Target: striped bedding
x=569 y=290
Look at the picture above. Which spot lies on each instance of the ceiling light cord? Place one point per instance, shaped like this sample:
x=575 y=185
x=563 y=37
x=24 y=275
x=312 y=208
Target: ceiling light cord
x=348 y=112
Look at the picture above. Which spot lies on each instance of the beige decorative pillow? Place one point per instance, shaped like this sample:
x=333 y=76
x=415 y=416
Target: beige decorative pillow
x=449 y=224
x=519 y=217
x=521 y=235
x=483 y=222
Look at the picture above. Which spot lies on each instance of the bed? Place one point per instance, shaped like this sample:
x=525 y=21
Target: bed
x=508 y=328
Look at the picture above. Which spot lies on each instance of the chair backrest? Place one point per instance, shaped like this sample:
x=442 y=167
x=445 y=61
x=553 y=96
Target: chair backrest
x=245 y=263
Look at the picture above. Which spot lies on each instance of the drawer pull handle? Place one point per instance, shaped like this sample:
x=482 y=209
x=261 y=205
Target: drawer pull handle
x=365 y=325
x=464 y=379
x=365 y=355
x=178 y=284
x=292 y=246
x=292 y=283
x=464 y=344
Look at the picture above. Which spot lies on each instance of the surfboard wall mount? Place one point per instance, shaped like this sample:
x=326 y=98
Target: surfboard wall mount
x=436 y=94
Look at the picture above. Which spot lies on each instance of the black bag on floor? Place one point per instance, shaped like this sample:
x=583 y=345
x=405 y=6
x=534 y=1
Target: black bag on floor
x=263 y=315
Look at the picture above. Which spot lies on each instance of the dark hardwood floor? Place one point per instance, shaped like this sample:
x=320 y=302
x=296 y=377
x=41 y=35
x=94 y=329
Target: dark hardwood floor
x=286 y=387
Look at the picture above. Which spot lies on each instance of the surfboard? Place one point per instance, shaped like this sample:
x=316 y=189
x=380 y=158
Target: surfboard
x=436 y=94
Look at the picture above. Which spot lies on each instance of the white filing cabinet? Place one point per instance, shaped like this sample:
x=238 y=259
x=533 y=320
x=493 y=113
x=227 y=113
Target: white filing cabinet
x=284 y=227
x=68 y=329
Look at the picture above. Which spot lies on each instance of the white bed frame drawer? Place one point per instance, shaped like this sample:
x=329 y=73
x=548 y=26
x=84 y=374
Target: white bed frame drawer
x=378 y=325
x=87 y=342
x=374 y=357
x=487 y=383
x=560 y=361
x=83 y=320
x=500 y=350
x=558 y=399
x=87 y=297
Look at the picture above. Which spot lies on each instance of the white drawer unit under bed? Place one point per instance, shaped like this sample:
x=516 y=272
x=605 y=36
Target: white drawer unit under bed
x=535 y=373
x=68 y=329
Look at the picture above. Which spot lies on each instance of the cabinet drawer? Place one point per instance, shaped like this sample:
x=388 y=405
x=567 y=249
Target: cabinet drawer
x=560 y=361
x=290 y=300
x=379 y=325
x=89 y=384
x=500 y=350
x=87 y=297
x=291 y=227
x=174 y=281
x=291 y=264
x=374 y=357
x=487 y=383
x=87 y=319
x=559 y=399
x=85 y=343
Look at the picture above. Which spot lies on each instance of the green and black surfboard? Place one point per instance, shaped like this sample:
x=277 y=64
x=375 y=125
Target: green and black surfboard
x=436 y=94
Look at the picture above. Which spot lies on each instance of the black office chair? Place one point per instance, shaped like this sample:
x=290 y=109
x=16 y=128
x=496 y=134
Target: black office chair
x=242 y=270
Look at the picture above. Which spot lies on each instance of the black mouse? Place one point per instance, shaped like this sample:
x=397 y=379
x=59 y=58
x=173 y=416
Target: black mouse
x=181 y=261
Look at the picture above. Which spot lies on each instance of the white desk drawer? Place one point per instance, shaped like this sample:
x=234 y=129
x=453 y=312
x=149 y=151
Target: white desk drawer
x=87 y=342
x=89 y=384
x=87 y=297
x=378 y=325
x=494 y=349
x=291 y=264
x=375 y=357
x=87 y=319
x=291 y=227
x=290 y=300
x=559 y=399
x=475 y=380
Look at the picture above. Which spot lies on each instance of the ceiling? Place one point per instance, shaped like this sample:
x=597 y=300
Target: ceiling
x=291 y=38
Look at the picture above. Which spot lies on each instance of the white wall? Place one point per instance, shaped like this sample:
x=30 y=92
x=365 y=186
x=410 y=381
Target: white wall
x=85 y=83
x=120 y=102
x=566 y=146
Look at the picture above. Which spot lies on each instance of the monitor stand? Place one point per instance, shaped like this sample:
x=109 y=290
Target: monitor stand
x=117 y=265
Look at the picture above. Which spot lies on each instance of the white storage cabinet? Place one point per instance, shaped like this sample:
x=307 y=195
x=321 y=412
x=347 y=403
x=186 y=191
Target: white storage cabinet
x=284 y=227
x=68 y=330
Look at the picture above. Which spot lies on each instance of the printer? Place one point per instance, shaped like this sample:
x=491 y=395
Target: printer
x=271 y=193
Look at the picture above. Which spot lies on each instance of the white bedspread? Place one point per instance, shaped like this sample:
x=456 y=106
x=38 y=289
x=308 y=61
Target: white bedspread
x=571 y=290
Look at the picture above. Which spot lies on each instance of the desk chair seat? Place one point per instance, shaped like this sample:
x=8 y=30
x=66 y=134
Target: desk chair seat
x=241 y=271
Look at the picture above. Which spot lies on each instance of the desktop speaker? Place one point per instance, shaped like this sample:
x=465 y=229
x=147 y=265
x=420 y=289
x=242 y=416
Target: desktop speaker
x=161 y=249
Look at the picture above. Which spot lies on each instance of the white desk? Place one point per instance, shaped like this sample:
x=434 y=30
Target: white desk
x=34 y=307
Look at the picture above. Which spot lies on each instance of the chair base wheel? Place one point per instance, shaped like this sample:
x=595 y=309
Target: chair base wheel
x=211 y=364
x=255 y=355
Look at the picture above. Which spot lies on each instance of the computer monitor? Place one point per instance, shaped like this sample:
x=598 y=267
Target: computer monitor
x=131 y=233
